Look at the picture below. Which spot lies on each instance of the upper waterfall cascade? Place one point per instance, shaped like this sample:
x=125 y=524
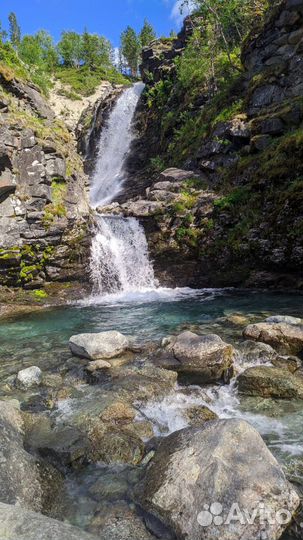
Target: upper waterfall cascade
x=114 y=146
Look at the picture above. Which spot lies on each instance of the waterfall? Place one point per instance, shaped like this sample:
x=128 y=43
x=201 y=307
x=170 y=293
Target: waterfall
x=114 y=146
x=119 y=255
x=119 y=259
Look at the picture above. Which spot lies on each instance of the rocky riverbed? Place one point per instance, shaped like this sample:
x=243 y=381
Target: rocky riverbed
x=143 y=420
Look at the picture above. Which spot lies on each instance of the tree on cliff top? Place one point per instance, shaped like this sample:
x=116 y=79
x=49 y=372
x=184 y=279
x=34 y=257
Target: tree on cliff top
x=96 y=50
x=14 y=30
x=147 y=34
x=130 y=48
x=70 y=48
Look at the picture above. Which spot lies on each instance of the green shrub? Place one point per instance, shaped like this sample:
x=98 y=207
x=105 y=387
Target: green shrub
x=157 y=164
x=237 y=197
x=40 y=294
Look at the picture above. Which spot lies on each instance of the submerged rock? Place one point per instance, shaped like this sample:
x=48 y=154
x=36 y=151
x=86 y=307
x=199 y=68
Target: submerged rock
x=198 y=474
x=18 y=523
x=119 y=522
x=26 y=378
x=272 y=382
x=65 y=446
x=206 y=359
x=23 y=478
x=285 y=334
x=96 y=365
x=104 y=345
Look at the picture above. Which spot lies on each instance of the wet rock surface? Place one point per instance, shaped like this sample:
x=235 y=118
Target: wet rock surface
x=28 y=377
x=105 y=345
x=271 y=382
x=24 y=479
x=206 y=359
x=284 y=334
x=16 y=522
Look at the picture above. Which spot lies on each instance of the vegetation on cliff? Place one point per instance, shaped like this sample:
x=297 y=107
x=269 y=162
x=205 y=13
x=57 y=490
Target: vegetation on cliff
x=78 y=60
x=229 y=107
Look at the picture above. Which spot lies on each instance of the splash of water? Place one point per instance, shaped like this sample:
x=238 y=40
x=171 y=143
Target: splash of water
x=114 y=146
x=119 y=257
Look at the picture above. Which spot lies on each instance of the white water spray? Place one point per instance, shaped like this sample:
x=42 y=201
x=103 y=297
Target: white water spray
x=119 y=260
x=114 y=146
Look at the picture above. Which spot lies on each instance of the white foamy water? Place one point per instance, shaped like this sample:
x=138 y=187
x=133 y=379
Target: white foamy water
x=169 y=414
x=114 y=146
x=146 y=295
x=119 y=257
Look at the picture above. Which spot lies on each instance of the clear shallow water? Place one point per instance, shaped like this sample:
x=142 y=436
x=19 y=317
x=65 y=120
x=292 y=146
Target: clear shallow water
x=42 y=339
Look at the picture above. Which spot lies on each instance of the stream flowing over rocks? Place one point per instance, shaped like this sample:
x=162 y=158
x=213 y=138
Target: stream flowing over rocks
x=111 y=442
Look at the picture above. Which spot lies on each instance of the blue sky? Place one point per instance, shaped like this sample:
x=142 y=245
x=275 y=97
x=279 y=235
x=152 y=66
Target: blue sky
x=107 y=17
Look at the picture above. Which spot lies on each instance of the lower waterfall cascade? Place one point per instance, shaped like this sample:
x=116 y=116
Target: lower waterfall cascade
x=119 y=256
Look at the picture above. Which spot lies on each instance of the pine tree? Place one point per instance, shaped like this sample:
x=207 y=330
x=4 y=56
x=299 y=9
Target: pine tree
x=147 y=34
x=14 y=30
x=130 y=48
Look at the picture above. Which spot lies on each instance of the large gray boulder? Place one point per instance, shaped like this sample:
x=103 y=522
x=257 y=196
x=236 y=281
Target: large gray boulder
x=273 y=382
x=206 y=359
x=285 y=334
x=16 y=523
x=98 y=346
x=198 y=475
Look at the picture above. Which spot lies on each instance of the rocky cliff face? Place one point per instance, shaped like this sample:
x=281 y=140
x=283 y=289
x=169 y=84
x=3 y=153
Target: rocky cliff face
x=44 y=211
x=247 y=166
x=91 y=123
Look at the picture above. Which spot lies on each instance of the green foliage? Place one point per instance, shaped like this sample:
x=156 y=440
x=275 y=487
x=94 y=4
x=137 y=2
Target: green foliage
x=40 y=294
x=130 y=49
x=84 y=81
x=147 y=34
x=185 y=202
x=57 y=208
x=229 y=112
x=96 y=51
x=237 y=197
x=14 y=30
x=85 y=49
x=70 y=48
x=187 y=234
x=204 y=65
x=157 y=164
x=194 y=183
x=81 y=60
x=38 y=52
x=10 y=64
x=158 y=94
